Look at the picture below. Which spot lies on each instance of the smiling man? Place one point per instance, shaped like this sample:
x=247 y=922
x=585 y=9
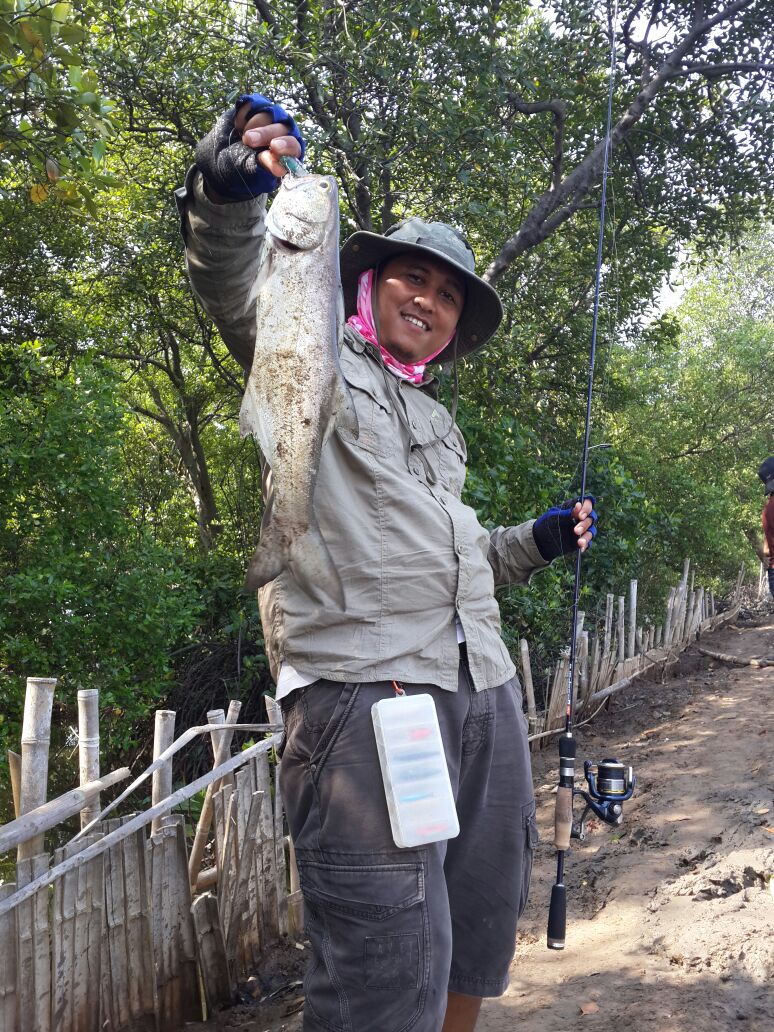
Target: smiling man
x=420 y=301
x=401 y=939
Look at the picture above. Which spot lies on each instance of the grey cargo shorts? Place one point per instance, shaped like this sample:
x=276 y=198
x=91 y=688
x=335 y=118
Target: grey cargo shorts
x=392 y=930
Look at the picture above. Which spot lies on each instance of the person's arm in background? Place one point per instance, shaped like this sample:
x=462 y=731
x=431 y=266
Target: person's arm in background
x=222 y=208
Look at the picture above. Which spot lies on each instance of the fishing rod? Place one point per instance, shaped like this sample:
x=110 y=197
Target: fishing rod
x=610 y=783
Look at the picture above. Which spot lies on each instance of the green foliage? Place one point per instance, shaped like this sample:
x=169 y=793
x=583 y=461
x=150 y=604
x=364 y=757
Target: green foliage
x=87 y=596
x=54 y=120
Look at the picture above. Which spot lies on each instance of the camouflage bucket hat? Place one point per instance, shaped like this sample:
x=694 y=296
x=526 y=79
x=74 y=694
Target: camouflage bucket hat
x=482 y=312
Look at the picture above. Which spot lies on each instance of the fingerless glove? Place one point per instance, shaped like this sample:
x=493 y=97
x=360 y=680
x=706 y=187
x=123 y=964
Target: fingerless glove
x=554 y=531
x=231 y=167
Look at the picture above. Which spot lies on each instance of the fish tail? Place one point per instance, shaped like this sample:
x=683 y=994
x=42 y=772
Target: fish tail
x=266 y=564
x=314 y=570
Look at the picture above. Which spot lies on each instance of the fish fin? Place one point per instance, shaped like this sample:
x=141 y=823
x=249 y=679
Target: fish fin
x=313 y=569
x=346 y=416
x=264 y=270
x=341 y=318
x=307 y=558
x=266 y=564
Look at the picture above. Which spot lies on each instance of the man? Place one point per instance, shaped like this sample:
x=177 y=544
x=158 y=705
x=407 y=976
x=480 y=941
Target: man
x=766 y=473
x=401 y=938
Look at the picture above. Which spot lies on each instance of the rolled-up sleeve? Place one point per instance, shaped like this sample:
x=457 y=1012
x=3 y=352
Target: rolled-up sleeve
x=223 y=244
x=513 y=554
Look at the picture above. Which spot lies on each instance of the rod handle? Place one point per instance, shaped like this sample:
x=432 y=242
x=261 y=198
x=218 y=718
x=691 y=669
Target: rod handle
x=557 y=918
x=563 y=818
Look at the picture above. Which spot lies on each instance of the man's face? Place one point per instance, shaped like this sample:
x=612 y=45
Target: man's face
x=419 y=303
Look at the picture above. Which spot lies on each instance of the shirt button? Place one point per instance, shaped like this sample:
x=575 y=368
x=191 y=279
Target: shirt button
x=442 y=500
x=414 y=423
x=460 y=550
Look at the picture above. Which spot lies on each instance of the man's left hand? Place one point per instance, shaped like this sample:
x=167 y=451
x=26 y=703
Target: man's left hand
x=562 y=529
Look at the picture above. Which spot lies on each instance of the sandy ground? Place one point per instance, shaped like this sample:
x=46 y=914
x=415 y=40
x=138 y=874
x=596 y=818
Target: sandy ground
x=670 y=917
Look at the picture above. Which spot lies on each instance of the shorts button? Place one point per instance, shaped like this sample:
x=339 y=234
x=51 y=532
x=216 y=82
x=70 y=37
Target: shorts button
x=313 y=767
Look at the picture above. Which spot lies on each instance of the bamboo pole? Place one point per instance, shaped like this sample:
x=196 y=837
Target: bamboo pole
x=621 y=629
x=40 y=820
x=583 y=664
x=163 y=737
x=631 y=641
x=36 y=737
x=205 y=817
x=14 y=769
x=88 y=747
x=607 y=641
x=668 y=617
x=295 y=903
x=140 y=820
x=595 y=659
x=529 y=687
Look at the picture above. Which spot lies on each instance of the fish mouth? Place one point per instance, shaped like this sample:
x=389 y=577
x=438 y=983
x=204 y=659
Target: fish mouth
x=288 y=245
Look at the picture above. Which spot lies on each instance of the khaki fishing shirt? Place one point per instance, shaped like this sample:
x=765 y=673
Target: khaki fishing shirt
x=411 y=555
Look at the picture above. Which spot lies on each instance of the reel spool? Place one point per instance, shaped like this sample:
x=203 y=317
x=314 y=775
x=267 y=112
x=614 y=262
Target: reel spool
x=610 y=785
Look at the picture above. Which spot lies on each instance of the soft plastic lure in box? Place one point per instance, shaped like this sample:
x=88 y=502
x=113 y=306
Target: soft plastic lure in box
x=408 y=737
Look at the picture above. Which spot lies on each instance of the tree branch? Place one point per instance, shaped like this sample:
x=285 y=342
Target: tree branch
x=557 y=205
x=558 y=109
x=715 y=71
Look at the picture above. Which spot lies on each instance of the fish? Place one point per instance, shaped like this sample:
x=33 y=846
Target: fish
x=296 y=394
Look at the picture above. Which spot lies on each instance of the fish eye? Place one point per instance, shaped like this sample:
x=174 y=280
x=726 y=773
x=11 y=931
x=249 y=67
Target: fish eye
x=325 y=185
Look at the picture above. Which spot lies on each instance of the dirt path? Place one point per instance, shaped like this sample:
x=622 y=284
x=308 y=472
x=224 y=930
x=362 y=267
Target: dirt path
x=671 y=917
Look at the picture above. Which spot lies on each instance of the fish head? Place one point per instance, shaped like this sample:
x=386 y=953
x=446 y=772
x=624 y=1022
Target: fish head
x=304 y=211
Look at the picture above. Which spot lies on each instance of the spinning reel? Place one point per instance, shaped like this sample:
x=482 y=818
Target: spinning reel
x=610 y=785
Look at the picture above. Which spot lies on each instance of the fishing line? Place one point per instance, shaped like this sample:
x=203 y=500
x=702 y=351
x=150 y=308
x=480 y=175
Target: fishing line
x=610 y=807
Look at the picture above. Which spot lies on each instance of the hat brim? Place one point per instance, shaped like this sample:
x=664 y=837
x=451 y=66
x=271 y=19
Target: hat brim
x=483 y=309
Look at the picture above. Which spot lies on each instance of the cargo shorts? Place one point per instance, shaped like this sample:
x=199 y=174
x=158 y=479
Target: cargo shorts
x=393 y=930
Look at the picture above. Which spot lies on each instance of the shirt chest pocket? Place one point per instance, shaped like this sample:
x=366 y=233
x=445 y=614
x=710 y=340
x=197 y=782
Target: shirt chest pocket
x=452 y=457
x=375 y=414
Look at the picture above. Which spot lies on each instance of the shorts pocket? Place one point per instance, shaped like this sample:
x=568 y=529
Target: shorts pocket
x=531 y=838
x=369 y=932
x=315 y=720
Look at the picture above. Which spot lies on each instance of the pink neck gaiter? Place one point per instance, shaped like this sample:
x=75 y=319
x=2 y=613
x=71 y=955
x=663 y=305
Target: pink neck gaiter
x=364 y=323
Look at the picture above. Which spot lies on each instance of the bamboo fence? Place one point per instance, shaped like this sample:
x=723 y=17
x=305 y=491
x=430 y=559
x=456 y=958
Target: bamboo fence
x=620 y=651
x=108 y=934
x=121 y=929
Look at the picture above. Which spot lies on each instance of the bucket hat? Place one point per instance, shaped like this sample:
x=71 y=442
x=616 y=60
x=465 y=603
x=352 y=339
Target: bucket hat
x=483 y=310
x=766 y=473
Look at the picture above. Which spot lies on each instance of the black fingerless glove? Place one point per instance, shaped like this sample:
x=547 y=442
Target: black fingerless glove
x=232 y=168
x=554 y=531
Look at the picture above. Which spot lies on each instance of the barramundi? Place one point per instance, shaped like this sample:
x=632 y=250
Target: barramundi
x=296 y=394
